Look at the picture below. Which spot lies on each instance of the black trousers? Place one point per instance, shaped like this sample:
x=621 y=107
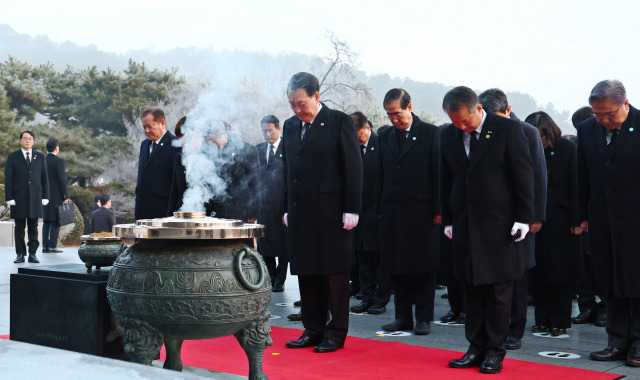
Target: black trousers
x=519 y=303
x=414 y=288
x=278 y=273
x=623 y=321
x=375 y=285
x=320 y=294
x=488 y=312
x=456 y=298
x=553 y=305
x=50 y=232
x=586 y=289
x=32 y=233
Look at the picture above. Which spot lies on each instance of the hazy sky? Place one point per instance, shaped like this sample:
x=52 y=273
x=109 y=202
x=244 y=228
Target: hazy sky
x=555 y=50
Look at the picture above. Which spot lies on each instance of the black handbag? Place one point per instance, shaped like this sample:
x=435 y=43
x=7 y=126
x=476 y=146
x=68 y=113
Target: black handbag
x=66 y=213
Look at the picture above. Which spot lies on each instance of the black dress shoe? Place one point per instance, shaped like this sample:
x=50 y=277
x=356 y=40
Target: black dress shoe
x=467 y=361
x=586 y=316
x=360 y=296
x=45 y=250
x=450 y=317
x=513 y=343
x=422 y=328
x=297 y=303
x=377 y=309
x=555 y=331
x=440 y=287
x=303 y=341
x=462 y=319
x=33 y=259
x=19 y=259
x=445 y=296
x=601 y=320
x=277 y=288
x=55 y=250
x=362 y=308
x=633 y=357
x=491 y=364
x=609 y=354
x=539 y=329
x=295 y=317
x=328 y=345
x=398 y=325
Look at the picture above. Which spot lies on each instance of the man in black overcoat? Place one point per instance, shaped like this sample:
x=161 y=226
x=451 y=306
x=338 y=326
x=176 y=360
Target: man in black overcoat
x=487 y=207
x=271 y=187
x=495 y=100
x=409 y=209
x=375 y=285
x=103 y=219
x=155 y=167
x=608 y=183
x=57 y=196
x=26 y=189
x=322 y=200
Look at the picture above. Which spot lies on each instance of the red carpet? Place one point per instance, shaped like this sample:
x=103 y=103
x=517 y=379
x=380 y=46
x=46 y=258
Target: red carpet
x=360 y=359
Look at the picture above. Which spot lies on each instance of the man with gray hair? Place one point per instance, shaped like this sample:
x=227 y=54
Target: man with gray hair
x=495 y=100
x=608 y=182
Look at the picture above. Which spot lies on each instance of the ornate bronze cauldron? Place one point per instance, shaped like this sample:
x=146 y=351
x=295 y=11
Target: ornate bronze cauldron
x=191 y=277
x=100 y=251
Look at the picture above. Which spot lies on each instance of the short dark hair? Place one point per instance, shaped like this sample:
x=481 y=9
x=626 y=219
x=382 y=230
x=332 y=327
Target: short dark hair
x=359 y=120
x=157 y=113
x=179 y=130
x=397 y=94
x=29 y=132
x=494 y=100
x=104 y=199
x=545 y=124
x=611 y=90
x=51 y=145
x=306 y=81
x=458 y=97
x=270 y=119
x=581 y=115
x=97 y=198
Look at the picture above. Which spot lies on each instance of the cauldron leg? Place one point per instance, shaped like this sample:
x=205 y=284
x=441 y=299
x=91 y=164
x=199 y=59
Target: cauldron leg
x=254 y=339
x=141 y=340
x=173 y=347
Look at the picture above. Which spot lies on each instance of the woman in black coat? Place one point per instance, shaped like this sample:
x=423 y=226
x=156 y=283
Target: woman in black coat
x=558 y=260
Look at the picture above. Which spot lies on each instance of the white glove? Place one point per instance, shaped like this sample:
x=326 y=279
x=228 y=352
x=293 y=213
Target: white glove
x=350 y=220
x=523 y=228
x=448 y=231
x=11 y=202
x=286 y=219
x=45 y=202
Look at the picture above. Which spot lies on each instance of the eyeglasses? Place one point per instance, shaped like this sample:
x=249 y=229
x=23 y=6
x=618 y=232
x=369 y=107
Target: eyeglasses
x=27 y=139
x=607 y=115
x=394 y=117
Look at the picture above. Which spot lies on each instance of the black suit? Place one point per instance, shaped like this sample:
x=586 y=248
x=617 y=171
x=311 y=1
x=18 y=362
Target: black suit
x=57 y=194
x=155 y=172
x=482 y=196
x=102 y=220
x=408 y=197
x=28 y=185
x=608 y=182
x=270 y=191
x=323 y=180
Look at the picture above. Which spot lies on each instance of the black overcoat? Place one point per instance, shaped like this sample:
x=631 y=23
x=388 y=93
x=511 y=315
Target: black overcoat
x=558 y=256
x=27 y=185
x=367 y=233
x=407 y=192
x=57 y=186
x=270 y=191
x=608 y=183
x=155 y=173
x=323 y=180
x=482 y=196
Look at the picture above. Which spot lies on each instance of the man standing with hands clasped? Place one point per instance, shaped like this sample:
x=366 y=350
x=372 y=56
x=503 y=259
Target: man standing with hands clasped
x=26 y=188
x=487 y=206
x=322 y=200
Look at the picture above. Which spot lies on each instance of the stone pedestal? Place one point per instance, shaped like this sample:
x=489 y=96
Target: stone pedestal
x=65 y=307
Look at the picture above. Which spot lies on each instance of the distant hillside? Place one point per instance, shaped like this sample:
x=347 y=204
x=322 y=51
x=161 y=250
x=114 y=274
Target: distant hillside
x=208 y=66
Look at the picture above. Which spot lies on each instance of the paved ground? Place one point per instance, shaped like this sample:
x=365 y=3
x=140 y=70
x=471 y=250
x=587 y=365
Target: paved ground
x=582 y=339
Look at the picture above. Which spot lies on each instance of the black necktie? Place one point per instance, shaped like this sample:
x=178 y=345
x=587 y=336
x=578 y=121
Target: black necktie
x=363 y=148
x=28 y=160
x=402 y=136
x=271 y=154
x=473 y=142
x=305 y=128
x=614 y=135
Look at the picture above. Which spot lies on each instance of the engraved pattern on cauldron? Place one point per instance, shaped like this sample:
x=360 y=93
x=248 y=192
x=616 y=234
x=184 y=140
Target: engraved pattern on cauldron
x=190 y=310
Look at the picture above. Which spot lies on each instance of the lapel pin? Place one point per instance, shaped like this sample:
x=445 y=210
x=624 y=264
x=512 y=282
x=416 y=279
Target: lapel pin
x=489 y=131
x=553 y=153
x=414 y=138
x=372 y=148
x=321 y=124
x=161 y=144
x=281 y=155
x=631 y=129
x=487 y=136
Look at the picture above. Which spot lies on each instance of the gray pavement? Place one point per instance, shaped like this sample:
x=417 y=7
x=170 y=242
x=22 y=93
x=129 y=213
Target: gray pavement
x=581 y=341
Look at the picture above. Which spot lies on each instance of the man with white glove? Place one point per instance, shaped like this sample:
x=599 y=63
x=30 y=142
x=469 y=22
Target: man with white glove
x=487 y=201
x=26 y=186
x=322 y=200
